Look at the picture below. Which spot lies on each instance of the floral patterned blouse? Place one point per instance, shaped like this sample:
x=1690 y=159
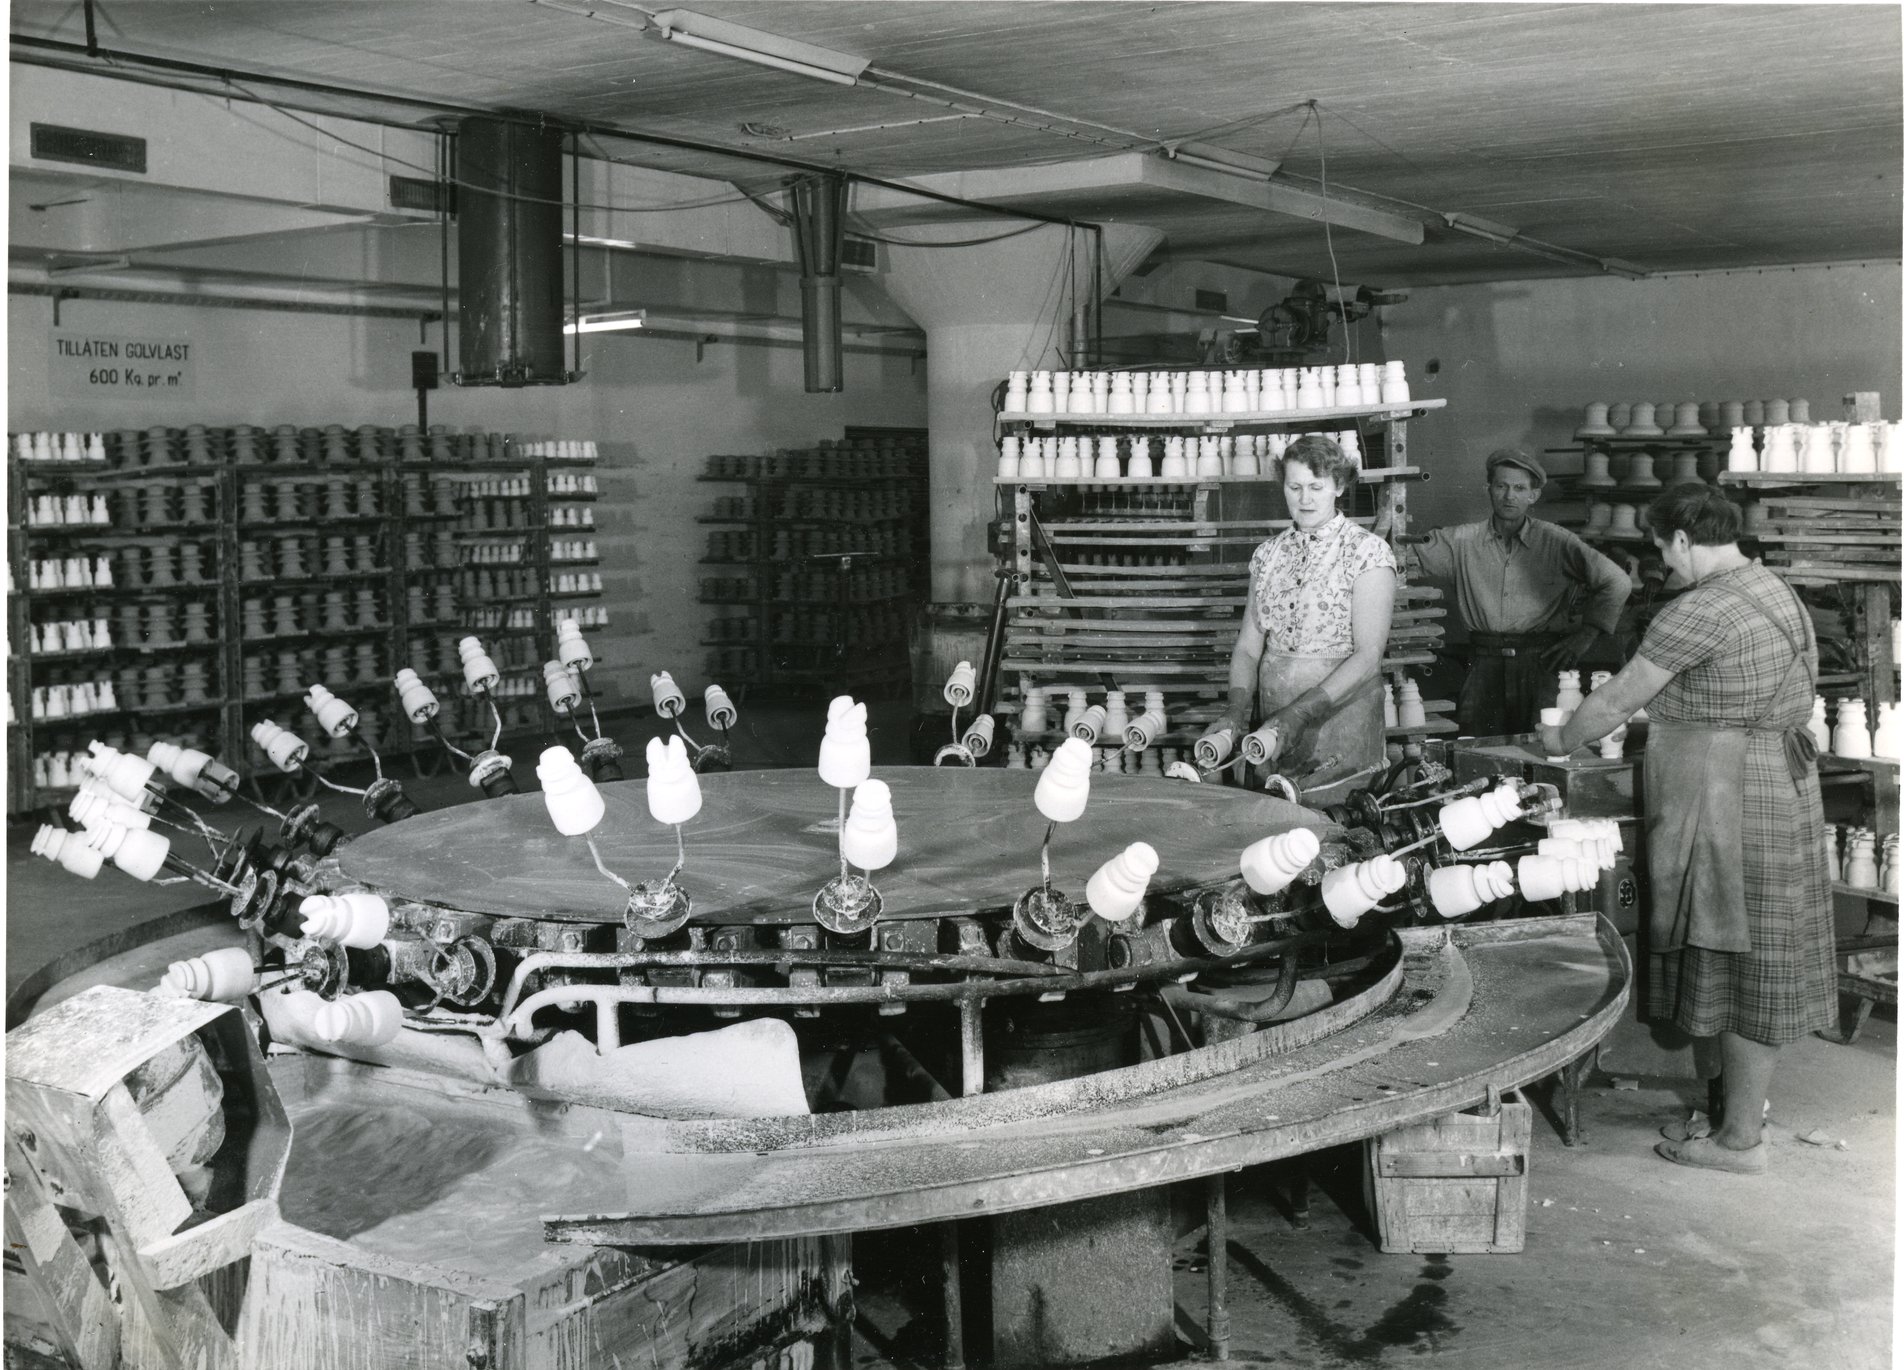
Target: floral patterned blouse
x=1301 y=585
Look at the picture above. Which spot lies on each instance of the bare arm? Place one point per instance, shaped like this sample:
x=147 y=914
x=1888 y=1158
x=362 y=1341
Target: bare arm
x=1609 y=706
x=1244 y=659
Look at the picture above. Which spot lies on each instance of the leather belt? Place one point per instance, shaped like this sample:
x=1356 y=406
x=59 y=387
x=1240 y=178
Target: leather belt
x=1510 y=644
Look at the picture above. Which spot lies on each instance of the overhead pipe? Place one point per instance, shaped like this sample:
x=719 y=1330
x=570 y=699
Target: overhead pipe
x=819 y=230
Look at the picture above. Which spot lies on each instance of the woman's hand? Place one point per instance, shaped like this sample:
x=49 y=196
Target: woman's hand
x=1296 y=722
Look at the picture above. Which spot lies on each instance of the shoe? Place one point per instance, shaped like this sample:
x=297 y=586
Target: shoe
x=1706 y=1154
x=1697 y=1124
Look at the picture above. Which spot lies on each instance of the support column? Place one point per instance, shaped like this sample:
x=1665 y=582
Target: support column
x=989 y=309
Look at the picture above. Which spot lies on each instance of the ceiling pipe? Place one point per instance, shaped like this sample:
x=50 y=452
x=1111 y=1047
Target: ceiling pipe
x=819 y=226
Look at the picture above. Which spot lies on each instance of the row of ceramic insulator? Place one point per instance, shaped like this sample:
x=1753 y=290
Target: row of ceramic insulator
x=68 y=447
x=68 y=573
x=1076 y=458
x=74 y=700
x=1822 y=449
x=55 y=510
x=72 y=635
x=1688 y=418
x=1852 y=734
x=1154 y=761
x=1267 y=391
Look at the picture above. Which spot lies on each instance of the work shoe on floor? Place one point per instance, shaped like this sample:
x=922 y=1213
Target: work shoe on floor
x=1697 y=1124
x=1706 y=1154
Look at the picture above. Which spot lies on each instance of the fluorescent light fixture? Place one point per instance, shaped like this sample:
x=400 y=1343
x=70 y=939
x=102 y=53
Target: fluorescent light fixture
x=759 y=47
x=608 y=323
x=1484 y=229
x=1505 y=236
x=593 y=240
x=1212 y=158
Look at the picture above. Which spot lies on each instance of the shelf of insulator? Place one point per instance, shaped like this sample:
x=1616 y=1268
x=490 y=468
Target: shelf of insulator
x=495 y=534
x=122 y=591
x=781 y=522
x=806 y=480
x=579 y=561
x=40 y=529
x=371 y=630
x=1809 y=478
x=574 y=594
x=1432 y=727
x=135 y=648
x=315 y=521
x=302 y=582
x=573 y=496
x=108 y=530
x=95 y=471
x=1217 y=423
x=1369 y=476
x=826 y=601
x=1876 y=765
x=1657 y=440
x=1860 y=892
x=858 y=644
x=273 y=696
x=1618 y=491
x=149 y=710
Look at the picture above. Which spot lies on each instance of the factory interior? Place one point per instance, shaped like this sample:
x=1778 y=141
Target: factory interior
x=842 y=683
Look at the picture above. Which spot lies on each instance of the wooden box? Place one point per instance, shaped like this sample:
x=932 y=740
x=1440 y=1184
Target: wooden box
x=1456 y=1184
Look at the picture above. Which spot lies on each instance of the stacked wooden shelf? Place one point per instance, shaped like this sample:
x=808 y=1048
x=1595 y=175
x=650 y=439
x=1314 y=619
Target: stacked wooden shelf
x=1146 y=578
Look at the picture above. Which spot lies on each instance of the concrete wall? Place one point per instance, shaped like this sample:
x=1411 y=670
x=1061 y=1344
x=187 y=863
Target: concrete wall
x=1518 y=361
x=656 y=410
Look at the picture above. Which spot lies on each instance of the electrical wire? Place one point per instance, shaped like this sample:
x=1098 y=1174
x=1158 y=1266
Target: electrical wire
x=863 y=232
x=1348 y=333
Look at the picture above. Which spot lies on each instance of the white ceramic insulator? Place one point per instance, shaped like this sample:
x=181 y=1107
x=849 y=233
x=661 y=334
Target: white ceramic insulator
x=575 y=805
x=1348 y=892
x=1271 y=864
x=564 y=694
x=572 y=647
x=128 y=775
x=1261 y=746
x=1143 y=730
x=479 y=672
x=1541 y=878
x=1064 y=786
x=357 y=919
x=674 y=790
x=961 y=685
x=286 y=749
x=417 y=699
x=68 y=851
x=223 y=976
x=978 y=737
x=1115 y=890
x=1213 y=749
x=94 y=808
x=334 y=716
x=182 y=766
x=139 y=852
x=1090 y=723
x=870 y=839
x=721 y=713
x=369 y=1019
x=669 y=702
x=846 y=756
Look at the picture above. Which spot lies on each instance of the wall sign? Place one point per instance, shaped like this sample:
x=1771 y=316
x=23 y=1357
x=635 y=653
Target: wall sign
x=107 y=364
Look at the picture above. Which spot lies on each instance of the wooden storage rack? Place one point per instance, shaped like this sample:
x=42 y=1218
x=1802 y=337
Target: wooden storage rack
x=1170 y=627
x=398 y=508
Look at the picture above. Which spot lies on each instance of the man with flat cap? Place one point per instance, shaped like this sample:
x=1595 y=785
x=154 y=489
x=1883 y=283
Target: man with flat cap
x=1534 y=596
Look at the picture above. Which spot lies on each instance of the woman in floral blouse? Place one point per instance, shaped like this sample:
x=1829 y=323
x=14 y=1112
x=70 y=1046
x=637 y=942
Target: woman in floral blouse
x=1314 y=630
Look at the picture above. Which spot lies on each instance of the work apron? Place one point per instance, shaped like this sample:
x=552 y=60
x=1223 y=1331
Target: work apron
x=1695 y=819
x=1352 y=734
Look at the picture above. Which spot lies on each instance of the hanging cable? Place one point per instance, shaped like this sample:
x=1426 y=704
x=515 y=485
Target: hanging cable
x=1348 y=337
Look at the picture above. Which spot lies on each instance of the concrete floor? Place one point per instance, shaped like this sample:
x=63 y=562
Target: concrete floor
x=1629 y=1261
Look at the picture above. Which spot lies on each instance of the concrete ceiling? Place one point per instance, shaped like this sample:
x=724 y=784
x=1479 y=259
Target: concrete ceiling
x=1666 y=137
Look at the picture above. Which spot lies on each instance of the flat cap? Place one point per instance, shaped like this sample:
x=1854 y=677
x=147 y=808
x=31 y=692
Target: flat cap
x=1508 y=456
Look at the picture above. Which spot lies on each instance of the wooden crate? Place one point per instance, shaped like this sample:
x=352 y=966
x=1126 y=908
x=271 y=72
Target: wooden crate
x=1456 y=1184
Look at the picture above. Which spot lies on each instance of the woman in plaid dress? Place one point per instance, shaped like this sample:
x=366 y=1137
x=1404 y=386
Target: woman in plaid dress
x=1740 y=930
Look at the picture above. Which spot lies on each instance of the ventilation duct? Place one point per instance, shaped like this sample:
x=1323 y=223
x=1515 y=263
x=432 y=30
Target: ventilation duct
x=819 y=221
x=509 y=253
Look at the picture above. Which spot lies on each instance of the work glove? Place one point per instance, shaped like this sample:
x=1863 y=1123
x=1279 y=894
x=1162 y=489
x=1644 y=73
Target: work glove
x=1297 y=721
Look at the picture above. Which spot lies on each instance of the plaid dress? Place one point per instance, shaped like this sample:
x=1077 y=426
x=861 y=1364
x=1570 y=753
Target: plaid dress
x=1727 y=655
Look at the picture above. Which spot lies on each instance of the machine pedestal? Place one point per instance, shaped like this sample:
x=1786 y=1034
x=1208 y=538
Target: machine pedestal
x=1084 y=1281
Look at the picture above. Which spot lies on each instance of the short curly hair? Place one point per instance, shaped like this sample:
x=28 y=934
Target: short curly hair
x=1698 y=510
x=1324 y=456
